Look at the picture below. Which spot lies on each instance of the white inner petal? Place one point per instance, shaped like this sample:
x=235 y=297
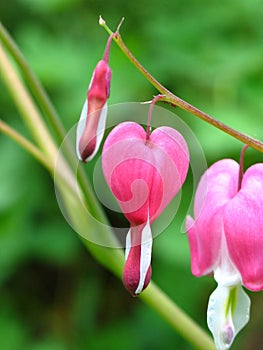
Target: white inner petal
x=146 y=254
x=81 y=127
x=128 y=244
x=227 y=313
x=226 y=274
x=100 y=130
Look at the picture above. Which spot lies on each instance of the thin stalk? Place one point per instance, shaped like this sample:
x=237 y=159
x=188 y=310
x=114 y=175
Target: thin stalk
x=24 y=143
x=154 y=100
x=177 y=101
x=27 y=107
x=66 y=179
x=33 y=82
x=177 y=318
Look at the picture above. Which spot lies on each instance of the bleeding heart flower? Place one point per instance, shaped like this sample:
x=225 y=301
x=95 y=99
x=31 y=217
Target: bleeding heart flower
x=144 y=172
x=227 y=238
x=91 y=126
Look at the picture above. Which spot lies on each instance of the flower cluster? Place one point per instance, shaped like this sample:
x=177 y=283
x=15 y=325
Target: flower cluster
x=144 y=171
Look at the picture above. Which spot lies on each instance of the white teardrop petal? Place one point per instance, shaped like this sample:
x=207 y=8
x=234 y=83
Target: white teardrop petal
x=227 y=313
x=128 y=244
x=242 y=310
x=100 y=130
x=146 y=255
x=81 y=127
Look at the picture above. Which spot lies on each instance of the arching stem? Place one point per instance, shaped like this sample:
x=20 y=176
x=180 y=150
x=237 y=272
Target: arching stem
x=177 y=101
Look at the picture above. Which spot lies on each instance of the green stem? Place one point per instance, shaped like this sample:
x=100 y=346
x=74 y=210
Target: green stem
x=177 y=318
x=27 y=107
x=34 y=84
x=64 y=177
x=176 y=101
x=27 y=145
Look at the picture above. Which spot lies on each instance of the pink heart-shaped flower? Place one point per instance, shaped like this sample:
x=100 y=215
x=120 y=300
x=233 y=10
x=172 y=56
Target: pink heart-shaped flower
x=144 y=174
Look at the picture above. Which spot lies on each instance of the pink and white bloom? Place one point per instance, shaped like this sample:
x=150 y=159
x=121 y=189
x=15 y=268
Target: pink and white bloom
x=144 y=174
x=91 y=126
x=226 y=238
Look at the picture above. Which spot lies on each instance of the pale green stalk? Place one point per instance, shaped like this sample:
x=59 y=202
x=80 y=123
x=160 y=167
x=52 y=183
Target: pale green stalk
x=177 y=318
x=27 y=107
x=27 y=145
x=33 y=82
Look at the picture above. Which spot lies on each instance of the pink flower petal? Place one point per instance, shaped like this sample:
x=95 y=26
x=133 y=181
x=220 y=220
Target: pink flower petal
x=92 y=121
x=137 y=270
x=243 y=220
x=217 y=186
x=144 y=175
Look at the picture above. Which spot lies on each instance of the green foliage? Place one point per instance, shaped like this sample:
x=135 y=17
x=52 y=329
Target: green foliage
x=53 y=295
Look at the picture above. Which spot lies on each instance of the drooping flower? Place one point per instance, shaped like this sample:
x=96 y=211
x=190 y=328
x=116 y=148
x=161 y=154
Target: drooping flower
x=144 y=173
x=226 y=238
x=91 y=125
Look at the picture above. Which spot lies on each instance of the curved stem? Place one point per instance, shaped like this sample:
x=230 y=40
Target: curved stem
x=177 y=101
x=27 y=145
x=27 y=107
x=33 y=82
x=177 y=318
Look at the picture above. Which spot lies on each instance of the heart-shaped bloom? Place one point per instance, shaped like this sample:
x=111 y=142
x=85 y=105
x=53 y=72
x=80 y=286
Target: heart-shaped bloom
x=91 y=126
x=144 y=173
x=226 y=238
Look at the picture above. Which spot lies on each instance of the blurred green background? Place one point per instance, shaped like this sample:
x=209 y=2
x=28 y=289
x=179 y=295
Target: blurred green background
x=53 y=295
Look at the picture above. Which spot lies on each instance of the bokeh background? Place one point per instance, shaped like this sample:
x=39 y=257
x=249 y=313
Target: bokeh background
x=53 y=295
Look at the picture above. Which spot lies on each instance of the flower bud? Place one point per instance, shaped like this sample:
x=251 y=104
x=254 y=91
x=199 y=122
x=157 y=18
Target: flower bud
x=91 y=126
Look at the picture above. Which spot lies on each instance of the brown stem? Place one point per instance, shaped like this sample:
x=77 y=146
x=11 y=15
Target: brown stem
x=176 y=101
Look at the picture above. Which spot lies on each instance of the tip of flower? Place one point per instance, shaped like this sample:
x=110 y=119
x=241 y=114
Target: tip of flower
x=131 y=281
x=87 y=152
x=101 y=21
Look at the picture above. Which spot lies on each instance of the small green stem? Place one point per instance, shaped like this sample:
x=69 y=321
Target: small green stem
x=27 y=107
x=63 y=175
x=176 y=101
x=34 y=84
x=27 y=145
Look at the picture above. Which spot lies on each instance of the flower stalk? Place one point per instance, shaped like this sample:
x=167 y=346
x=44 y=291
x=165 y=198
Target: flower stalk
x=177 y=101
